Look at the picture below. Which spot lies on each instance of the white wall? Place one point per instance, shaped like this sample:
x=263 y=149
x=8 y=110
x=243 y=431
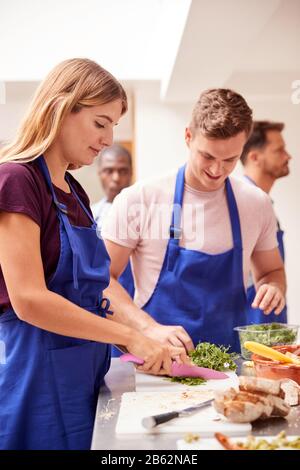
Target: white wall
x=13 y=107
x=37 y=34
x=160 y=146
x=159 y=131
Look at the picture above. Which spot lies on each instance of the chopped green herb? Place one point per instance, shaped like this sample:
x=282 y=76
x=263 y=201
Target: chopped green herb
x=188 y=380
x=213 y=357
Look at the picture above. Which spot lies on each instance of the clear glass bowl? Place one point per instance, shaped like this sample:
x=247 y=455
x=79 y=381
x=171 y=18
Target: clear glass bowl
x=270 y=334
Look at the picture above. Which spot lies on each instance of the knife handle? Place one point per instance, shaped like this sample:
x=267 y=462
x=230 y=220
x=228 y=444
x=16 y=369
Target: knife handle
x=131 y=358
x=151 y=421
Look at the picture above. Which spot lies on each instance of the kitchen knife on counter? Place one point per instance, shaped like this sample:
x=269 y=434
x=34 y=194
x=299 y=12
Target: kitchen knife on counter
x=182 y=370
x=151 y=422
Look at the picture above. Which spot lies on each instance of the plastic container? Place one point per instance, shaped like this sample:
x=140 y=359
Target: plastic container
x=270 y=334
x=275 y=370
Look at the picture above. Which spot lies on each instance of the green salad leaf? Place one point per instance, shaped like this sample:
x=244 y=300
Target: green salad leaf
x=270 y=334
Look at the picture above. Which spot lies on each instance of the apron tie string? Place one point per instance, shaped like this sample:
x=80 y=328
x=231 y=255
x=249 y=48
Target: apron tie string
x=104 y=307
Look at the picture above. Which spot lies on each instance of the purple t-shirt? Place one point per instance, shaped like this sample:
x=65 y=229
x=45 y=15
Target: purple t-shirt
x=23 y=189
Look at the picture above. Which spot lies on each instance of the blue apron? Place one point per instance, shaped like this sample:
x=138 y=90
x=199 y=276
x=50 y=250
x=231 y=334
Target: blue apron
x=126 y=280
x=202 y=292
x=256 y=315
x=50 y=382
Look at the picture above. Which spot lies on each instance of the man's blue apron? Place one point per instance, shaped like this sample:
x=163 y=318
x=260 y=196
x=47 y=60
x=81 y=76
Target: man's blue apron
x=256 y=315
x=50 y=382
x=204 y=293
x=126 y=280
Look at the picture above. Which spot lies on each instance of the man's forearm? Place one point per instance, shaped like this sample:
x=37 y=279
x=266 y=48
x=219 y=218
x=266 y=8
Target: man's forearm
x=275 y=278
x=124 y=309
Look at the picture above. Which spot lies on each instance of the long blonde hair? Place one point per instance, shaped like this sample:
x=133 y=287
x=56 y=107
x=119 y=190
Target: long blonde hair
x=70 y=85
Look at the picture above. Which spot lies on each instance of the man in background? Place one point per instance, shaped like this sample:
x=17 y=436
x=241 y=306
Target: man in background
x=115 y=173
x=265 y=159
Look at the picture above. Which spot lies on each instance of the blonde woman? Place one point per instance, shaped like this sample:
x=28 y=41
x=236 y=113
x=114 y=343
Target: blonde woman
x=54 y=268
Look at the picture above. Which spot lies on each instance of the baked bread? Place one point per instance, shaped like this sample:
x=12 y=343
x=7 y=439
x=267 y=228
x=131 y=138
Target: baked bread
x=256 y=399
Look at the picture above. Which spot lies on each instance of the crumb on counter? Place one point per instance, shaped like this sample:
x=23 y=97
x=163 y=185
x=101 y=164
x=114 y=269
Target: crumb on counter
x=191 y=437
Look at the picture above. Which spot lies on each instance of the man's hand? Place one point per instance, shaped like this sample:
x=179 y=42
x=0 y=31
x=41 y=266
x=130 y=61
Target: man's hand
x=270 y=280
x=268 y=298
x=170 y=335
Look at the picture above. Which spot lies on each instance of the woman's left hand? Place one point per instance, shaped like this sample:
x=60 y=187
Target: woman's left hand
x=172 y=335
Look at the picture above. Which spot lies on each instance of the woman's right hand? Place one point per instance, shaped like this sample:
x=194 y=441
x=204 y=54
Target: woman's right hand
x=158 y=357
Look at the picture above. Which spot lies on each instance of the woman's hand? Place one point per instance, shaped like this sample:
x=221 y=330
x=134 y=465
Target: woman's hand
x=170 y=335
x=158 y=357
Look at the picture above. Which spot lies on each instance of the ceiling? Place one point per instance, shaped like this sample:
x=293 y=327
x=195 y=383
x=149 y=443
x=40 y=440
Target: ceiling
x=187 y=45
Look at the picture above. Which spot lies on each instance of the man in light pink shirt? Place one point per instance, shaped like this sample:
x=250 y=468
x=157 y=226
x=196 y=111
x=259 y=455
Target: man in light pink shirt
x=193 y=234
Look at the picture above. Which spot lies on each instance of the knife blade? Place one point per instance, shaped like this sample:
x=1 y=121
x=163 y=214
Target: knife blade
x=150 y=422
x=121 y=348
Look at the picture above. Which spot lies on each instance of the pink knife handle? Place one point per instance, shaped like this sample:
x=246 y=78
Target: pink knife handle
x=131 y=358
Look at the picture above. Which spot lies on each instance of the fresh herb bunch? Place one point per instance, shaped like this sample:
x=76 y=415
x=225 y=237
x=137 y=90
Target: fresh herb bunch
x=188 y=380
x=213 y=357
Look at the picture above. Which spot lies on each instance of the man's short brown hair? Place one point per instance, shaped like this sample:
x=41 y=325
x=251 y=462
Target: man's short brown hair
x=220 y=114
x=258 y=138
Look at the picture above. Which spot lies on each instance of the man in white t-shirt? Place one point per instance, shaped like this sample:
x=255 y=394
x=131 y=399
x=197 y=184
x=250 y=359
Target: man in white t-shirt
x=192 y=234
x=265 y=160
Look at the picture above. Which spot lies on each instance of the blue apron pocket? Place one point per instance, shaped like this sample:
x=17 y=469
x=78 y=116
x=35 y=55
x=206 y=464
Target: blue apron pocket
x=74 y=372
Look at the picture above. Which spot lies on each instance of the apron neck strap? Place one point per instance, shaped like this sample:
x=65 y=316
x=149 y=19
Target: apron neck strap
x=234 y=216
x=60 y=207
x=45 y=171
x=80 y=201
x=175 y=227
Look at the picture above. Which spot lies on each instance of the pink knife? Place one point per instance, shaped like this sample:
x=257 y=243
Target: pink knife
x=181 y=370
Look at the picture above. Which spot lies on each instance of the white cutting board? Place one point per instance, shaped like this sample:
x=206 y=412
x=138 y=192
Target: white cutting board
x=154 y=383
x=137 y=405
